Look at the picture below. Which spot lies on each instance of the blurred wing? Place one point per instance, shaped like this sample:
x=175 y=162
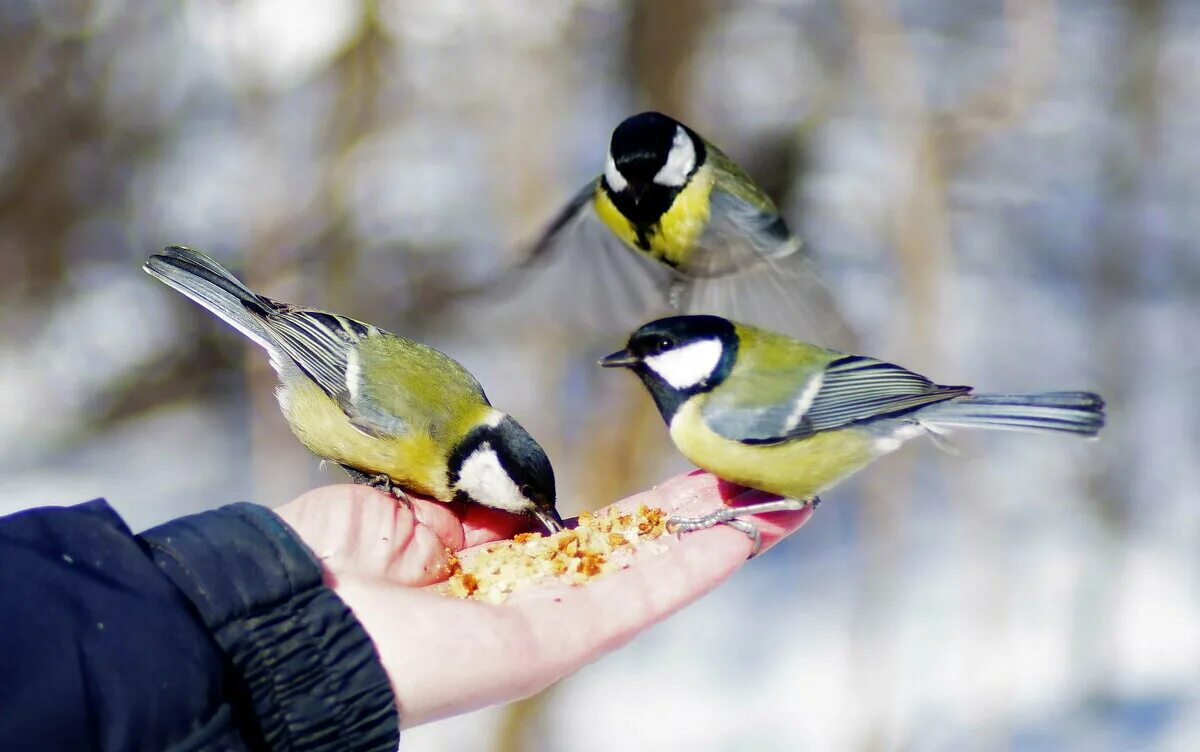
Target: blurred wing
x=740 y=234
x=604 y=284
x=749 y=267
x=568 y=217
x=852 y=389
x=581 y=276
x=728 y=176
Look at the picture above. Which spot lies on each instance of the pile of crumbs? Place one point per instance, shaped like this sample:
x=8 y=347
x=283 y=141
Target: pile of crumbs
x=603 y=542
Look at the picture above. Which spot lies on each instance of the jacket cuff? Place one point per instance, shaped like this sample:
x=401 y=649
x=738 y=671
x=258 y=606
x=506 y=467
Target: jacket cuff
x=310 y=669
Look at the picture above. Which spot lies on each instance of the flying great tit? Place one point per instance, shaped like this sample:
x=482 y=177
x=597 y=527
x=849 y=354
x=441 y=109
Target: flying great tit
x=394 y=413
x=709 y=239
x=766 y=411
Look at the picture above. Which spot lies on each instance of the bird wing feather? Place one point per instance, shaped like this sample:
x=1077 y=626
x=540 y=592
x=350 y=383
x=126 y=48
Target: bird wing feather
x=747 y=265
x=413 y=387
x=787 y=403
x=581 y=274
x=318 y=342
x=328 y=348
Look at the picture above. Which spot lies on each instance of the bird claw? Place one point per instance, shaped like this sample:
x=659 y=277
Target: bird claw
x=380 y=482
x=384 y=483
x=730 y=516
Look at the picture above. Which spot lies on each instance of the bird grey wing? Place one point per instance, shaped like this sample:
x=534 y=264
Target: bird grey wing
x=855 y=389
x=413 y=388
x=323 y=346
x=852 y=389
x=570 y=215
x=749 y=267
x=605 y=285
x=739 y=235
x=581 y=276
x=765 y=407
x=317 y=343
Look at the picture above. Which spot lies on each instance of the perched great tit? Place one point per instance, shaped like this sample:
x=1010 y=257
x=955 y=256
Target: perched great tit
x=394 y=413
x=717 y=240
x=769 y=412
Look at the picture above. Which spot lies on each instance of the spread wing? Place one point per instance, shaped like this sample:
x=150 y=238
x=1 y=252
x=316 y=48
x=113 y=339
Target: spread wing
x=773 y=405
x=748 y=266
x=744 y=227
x=546 y=246
x=580 y=274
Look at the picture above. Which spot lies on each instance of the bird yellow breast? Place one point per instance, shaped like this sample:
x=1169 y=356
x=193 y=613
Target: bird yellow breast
x=614 y=220
x=676 y=232
x=414 y=461
x=796 y=469
x=681 y=225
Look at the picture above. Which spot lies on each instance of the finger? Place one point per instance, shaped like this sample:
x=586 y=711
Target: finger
x=453 y=655
x=482 y=525
x=461 y=655
x=439 y=518
x=357 y=530
x=460 y=525
x=773 y=526
x=698 y=492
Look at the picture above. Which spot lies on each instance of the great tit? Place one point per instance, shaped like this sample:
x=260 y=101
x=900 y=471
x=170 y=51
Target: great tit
x=394 y=413
x=766 y=411
x=717 y=240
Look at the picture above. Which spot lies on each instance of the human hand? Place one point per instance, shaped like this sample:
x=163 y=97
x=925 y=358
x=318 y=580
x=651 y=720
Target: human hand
x=447 y=656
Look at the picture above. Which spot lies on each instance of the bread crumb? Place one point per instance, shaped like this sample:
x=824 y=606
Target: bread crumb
x=603 y=542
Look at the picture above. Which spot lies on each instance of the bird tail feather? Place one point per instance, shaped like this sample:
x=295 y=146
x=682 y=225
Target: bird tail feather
x=1079 y=413
x=213 y=286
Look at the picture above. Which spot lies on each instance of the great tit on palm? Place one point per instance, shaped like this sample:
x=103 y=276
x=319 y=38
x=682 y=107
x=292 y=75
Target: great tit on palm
x=766 y=411
x=394 y=413
x=709 y=238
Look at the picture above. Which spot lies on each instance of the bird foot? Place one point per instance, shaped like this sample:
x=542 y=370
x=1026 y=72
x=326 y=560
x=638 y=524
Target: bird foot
x=381 y=482
x=730 y=516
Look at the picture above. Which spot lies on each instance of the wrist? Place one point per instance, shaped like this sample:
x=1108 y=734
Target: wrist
x=306 y=663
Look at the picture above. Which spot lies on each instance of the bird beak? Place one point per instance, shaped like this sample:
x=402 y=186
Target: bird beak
x=550 y=520
x=638 y=192
x=619 y=359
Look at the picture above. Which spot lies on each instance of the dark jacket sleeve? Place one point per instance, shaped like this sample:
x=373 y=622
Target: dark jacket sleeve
x=213 y=631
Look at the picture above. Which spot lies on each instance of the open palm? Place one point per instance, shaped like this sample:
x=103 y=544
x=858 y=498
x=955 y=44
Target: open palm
x=447 y=656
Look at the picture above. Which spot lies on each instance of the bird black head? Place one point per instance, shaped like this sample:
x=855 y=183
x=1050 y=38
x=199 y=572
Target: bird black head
x=679 y=356
x=499 y=465
x=650 y=159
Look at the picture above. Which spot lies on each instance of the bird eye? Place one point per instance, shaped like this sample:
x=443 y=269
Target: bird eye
x=664 y=344
x=526 y=490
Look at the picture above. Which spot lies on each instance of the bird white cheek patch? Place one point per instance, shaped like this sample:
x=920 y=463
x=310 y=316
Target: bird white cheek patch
x=484 y=480
x=689 y=365
x=613 y=176
x=680 y=161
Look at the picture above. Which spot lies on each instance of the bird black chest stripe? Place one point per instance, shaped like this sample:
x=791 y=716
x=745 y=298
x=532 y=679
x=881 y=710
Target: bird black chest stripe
x=645 y=215
x=645 y=242
x=644 y=233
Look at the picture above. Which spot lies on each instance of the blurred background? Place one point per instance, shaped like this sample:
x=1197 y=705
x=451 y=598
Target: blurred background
x=1001 y=193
